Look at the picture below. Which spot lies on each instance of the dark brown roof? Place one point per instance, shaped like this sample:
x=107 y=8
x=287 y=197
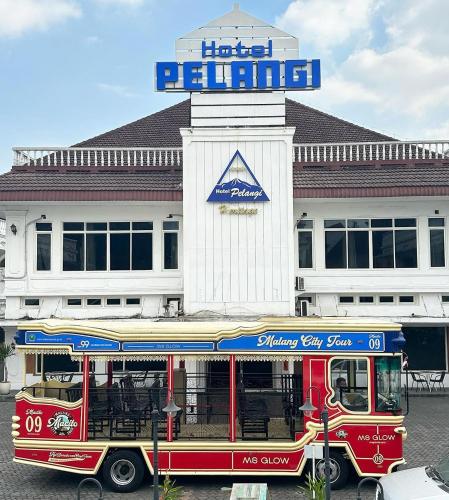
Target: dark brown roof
x=412 y=178
x=161 y=129
x=158 y=186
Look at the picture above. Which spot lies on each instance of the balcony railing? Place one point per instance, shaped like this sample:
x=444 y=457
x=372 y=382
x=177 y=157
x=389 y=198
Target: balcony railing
x=2 y=227
x=153 y=158
x=370 y=151
x=97 y=157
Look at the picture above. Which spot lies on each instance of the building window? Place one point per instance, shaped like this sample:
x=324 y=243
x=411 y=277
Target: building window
x=436 y=238
x=445 y=298
x=85 y=246
x=170 y=230
x=366 y=299
x=346 y=299
x=74 y=302
x=375 y=243
x=114 y=302
x=305 y=244
x=133 y=301
x=426 y=347
x=56 y=363
x=406 y=299
x=386 y=299
x=94 y=301
x=32 y=302
x=43 y=246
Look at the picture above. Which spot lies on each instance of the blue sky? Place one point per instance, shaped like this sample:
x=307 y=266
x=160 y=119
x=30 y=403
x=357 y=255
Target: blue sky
x=71 y=69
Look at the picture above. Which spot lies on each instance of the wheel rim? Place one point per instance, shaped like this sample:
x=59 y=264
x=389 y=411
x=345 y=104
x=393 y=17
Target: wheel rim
x=123 y=472
x=334 y=469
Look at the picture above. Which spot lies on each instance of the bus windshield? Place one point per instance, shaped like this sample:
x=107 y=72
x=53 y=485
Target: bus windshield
x=388 y=383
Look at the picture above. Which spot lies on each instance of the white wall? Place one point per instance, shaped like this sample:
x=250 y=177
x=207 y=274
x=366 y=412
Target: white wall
x=238 y=264
x=54 y=286
x=427 y=283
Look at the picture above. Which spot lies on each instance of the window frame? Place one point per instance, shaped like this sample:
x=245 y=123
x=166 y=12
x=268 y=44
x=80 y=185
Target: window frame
x=333 y=394
x=310 y=230
x=371 y=230
x=170 y=231
x=36 y=234
x=108 y=232
x=437 y=228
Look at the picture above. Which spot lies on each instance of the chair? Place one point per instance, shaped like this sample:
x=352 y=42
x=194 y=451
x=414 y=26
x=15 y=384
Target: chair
x=419 y=380
x=121 y=419
x=437 y=378
x=253 y=416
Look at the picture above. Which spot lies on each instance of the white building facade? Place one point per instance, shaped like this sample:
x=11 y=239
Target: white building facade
x=132 y=223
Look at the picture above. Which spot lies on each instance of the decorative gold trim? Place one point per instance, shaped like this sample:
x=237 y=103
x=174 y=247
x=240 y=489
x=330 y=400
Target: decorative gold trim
x=48 y=401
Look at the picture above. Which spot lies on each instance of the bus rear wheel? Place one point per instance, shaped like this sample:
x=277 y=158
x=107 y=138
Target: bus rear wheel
x=339 y=470
x=123 y=471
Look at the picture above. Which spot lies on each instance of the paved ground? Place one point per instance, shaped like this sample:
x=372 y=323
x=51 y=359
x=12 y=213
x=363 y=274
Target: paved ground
x=427 y=424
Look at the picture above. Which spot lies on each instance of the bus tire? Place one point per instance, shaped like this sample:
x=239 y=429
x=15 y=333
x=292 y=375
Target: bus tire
x=339 y=469
x=123 y=471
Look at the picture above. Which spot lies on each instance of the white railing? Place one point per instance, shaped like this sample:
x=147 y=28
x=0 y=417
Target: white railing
x=141 y=158
x=98 y=157
x=2 y=227
x=370 y=151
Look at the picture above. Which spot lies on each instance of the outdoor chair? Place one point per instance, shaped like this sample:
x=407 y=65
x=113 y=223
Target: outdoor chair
x=121 y=419
x=253 y=416
x=131 y=400
x=437 y=379
x=419 y=380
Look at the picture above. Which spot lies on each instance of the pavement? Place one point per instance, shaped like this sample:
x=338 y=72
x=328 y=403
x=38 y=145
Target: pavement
x=428 y=439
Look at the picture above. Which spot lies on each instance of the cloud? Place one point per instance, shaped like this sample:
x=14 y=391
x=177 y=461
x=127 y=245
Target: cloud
x=124 y=3
x=327 y=23
x=119 y=90
x=440 y=132
x=18 y=17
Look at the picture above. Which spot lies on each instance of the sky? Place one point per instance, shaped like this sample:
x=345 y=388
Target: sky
x=71 y=69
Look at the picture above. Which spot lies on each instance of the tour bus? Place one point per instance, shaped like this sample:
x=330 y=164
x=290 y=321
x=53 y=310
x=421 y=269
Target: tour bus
x=239 y=387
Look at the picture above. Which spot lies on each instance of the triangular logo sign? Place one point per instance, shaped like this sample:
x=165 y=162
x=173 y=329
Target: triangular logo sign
x=236 y=190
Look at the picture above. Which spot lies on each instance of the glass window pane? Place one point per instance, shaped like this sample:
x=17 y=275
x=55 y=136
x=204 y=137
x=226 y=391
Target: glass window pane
x=120 y=252
x=346 y=299
x=426 y=347
x=119 y=226
x=171 y=251
x=43 y=226
x=43 y=262
x=366 y=299
x=96 y=226
x=388 y=383
x=114 y=302
x=383 y=249
x=335 y=249
x=358 y=249
x=437 y=248
x=73 y=226
x=328 y=224
x=305 y=249
x=305 y=224
x=59 y=363
x=142 y=251
x=350 y=383
x=381 y=222
x=358 y=223
x=96 y=252
x=133 y=301
x=94 y=302
x=142 y=226
x=172 y=225
x=436 y=222
x=405 y=248
x=405 y=222
x=74 y=302
x=386 y=299
x=73 y=252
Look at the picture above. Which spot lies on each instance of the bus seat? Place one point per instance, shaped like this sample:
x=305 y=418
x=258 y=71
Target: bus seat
x=56 y=389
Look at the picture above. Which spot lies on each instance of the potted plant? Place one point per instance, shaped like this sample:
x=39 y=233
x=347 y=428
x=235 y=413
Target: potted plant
x=6 y=351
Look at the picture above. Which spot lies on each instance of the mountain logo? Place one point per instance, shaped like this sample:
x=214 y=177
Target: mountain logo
x=237 y=190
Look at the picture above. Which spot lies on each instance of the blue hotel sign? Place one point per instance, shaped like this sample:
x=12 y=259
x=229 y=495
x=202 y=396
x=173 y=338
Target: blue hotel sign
x=254 y=69
x=79 y=343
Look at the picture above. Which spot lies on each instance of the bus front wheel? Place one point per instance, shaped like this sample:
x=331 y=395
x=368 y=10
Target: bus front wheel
x=339 y=469
x=123 y=471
